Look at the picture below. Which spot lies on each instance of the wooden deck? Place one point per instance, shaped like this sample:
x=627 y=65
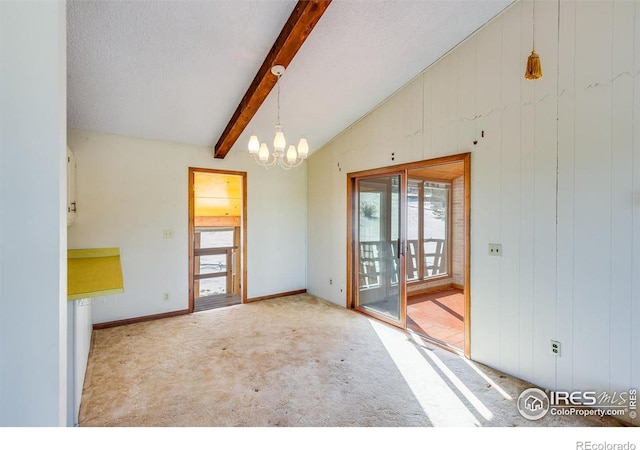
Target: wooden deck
x=216 y=301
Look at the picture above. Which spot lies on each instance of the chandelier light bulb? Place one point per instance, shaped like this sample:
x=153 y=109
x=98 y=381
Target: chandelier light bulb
x=279 y=141
x=254 y=144
x=263 y=153
x=303 y=148
x=291 y=155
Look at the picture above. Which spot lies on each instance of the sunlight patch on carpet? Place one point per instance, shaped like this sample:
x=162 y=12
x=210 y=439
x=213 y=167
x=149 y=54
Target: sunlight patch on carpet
x=441 y=405
x=484 y=376
x=462 y=388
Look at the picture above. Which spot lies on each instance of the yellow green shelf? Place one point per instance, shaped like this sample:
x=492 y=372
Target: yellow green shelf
x=93 y=272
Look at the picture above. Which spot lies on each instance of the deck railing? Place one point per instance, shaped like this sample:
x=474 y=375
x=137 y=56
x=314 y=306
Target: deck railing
x=229 y=252
x=380 y=258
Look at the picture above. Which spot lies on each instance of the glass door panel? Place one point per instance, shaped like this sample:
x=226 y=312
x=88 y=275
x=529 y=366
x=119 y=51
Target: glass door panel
x=380 y=247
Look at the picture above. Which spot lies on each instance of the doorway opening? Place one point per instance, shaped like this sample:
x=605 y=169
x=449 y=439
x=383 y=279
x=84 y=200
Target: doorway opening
x=408 y=250
x=217 y=239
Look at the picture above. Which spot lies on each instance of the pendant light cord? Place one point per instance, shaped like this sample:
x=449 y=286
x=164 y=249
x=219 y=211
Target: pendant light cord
x=534 y=25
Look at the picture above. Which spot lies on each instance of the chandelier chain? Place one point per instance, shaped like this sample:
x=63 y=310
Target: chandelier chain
x=278 y=86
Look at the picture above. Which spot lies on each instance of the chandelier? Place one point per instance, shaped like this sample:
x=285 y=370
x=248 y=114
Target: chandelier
x=260 y=151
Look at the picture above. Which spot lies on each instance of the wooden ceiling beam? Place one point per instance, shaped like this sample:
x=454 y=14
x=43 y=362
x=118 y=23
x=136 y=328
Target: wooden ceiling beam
x=301 y=22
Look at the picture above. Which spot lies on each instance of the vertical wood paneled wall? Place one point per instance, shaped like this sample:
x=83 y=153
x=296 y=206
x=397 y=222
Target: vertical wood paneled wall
x=555 y=180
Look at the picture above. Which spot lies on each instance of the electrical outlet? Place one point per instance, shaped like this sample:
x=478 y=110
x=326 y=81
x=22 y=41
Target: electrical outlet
x=330 y=280
x=165 y=296
x=167 y=234
x=556 y=348
x=495 y=249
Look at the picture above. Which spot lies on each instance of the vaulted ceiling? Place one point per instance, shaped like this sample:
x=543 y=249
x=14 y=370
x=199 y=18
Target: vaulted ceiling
x=176 y=70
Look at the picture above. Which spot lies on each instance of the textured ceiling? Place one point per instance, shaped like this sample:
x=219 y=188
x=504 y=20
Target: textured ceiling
x=176 y=70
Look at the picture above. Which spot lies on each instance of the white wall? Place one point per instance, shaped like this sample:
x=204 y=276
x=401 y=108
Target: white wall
x=555 y=180
x=129 y=190
x=33 y=276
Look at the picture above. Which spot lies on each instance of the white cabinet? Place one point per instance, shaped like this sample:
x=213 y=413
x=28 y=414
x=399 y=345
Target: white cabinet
x=79 y=330
x=71 y=187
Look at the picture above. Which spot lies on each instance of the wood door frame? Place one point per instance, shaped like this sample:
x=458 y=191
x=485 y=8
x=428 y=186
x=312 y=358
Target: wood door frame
x=192 y=171
x=352 y=252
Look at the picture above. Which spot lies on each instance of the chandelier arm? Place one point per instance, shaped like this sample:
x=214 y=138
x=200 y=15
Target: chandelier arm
x=266 y=164
x=287 y=166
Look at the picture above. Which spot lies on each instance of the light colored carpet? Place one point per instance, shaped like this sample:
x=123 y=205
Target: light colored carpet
x=294 y=361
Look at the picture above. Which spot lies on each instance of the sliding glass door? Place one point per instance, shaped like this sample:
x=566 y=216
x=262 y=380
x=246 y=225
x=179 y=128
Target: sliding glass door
x=380 y=246
x=408 y=234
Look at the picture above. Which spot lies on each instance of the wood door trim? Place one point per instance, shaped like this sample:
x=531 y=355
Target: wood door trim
x=421 y=232
x=460 y=157
x=244 y=250
x=467 y=254
x=377 y=316
x=190 y=235
x=403 y=205
x=350 y=251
